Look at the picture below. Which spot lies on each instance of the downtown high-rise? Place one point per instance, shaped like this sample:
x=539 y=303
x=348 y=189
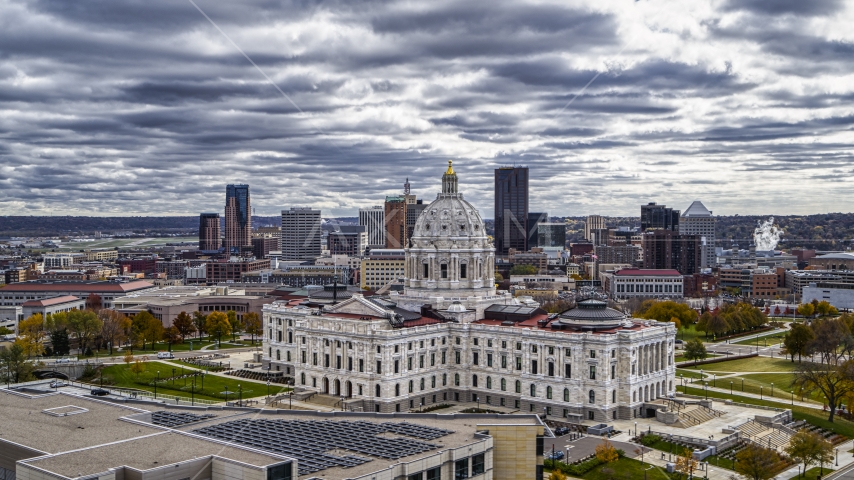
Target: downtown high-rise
x=238 y=219
x=209 y=236
x=511 y=209
x=301 y=233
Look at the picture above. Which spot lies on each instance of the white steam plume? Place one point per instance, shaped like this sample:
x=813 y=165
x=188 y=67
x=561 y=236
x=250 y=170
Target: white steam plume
x=766 y=236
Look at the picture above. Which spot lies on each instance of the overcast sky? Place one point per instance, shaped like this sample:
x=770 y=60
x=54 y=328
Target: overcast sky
x=144 y=107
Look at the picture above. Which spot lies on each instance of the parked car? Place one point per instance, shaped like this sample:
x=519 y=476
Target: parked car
x=161 y=355
x=556 y=455
x=58 y=384
x=99 y=392
x=561 y=431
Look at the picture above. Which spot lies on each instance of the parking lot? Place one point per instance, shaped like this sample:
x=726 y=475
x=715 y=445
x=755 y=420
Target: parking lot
x=585 y=446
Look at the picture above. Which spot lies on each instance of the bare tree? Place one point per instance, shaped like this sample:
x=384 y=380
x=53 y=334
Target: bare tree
x=834 y=381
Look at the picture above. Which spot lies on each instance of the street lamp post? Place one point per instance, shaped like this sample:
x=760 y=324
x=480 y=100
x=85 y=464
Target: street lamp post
x=636 y=429
x=155 y=384
x=793 y=397
x=706 y=386
x=730 y=387
x=772 y=389
x=193 y=392
x=714 y=379
x=240 y=395
x=760 y=393
x=837 y=457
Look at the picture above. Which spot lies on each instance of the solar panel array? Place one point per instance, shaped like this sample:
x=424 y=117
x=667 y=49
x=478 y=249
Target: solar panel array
x=176 y=419
x=309 y=440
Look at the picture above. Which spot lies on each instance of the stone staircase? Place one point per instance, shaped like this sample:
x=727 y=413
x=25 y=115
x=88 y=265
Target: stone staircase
x=691 y=415
x=325 y=400
x=764 y=435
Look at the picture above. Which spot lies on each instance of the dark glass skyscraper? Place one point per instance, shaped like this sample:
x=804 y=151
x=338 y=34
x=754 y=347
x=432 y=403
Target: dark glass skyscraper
x=238 y=218
x=659 y=217
x=511 y=209
x=209 y=237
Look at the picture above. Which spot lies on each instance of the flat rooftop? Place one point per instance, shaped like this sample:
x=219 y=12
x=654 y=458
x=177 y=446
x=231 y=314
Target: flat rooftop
x=84 y=436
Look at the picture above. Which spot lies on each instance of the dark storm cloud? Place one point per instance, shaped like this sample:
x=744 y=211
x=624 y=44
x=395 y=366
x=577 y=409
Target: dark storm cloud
x=106 y=105
x=783 y=7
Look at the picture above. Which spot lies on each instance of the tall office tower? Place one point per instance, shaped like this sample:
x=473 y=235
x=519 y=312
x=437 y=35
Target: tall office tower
x=594 y=222
x=395 y=222
x=414 y=207
x=551 y=235
x=209 y=238
x=373 y=219
x=659 y=217
x=511 y=209
x=534 y=219
x=666 y=249
x=301 y=234
x=238 y=218
x=698 y=220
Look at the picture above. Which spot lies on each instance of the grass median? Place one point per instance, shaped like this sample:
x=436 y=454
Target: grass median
x=207 y=387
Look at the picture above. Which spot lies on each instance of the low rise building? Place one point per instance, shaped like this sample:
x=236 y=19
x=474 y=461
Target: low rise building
x=10 y=316
x=50 y=306
x=18 y=293
x=840 y=295
x=383 y=266
x=644 y=283
x=64 y=436
x=165 y=304
x=232 y=270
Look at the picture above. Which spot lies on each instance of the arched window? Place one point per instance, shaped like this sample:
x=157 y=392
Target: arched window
x=565 y=394
x=614 y=396
x=278 y=354
x=288 y=355
x=503 y=384
x=433 y=381
x=444 y=379
x=474 y=380
x=457 y=379
x=411 y=386
x=549 y=392
x=488 y=382
x=377 y=391
x=422 y=384
x=518 y=386
x=533 y=390
x=634 y=396
x=397 y=390
x=302 y=378
x=592 y=396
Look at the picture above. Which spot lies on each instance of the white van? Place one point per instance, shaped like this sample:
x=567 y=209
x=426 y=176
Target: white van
x=165 y=355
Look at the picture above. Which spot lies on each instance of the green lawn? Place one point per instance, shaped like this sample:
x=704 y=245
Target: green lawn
x=758 y=383
x=689 y=333
x=197 y=344
x=689 y=373
x=811 y=415
x=214 y=385
x=814 y=473
x=626 y=468
x=754 y=364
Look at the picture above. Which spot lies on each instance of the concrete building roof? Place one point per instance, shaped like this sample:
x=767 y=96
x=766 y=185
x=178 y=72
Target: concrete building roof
x=697 y=209
x=75 y=436
x=647 y=272
x=836 y=256
x=64 y=286
x=50 y=301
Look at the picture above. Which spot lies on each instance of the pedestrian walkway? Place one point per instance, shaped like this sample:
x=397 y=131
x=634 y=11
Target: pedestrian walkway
x=783 y=403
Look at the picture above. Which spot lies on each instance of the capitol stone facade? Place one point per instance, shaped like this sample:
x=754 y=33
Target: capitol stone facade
x=451 y=337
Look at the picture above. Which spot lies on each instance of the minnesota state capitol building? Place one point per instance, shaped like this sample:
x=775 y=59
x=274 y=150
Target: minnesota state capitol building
x=449 y=336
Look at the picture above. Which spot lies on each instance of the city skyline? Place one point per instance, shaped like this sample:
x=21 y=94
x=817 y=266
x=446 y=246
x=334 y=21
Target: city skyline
x=145 y=109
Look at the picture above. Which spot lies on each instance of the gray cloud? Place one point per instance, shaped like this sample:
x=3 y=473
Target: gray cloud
x=142 y=107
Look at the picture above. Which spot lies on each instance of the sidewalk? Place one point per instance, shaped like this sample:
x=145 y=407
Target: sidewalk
x=783 y=403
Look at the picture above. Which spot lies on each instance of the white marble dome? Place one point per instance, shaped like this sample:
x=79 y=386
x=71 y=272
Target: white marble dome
x=449 y=254
x=447 y=217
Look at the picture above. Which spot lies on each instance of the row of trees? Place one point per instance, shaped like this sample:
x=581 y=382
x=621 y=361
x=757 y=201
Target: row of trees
x=107 y=328
x=731 y=318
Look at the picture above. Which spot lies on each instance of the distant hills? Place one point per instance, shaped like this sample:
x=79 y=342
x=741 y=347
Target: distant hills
x=831 y=231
